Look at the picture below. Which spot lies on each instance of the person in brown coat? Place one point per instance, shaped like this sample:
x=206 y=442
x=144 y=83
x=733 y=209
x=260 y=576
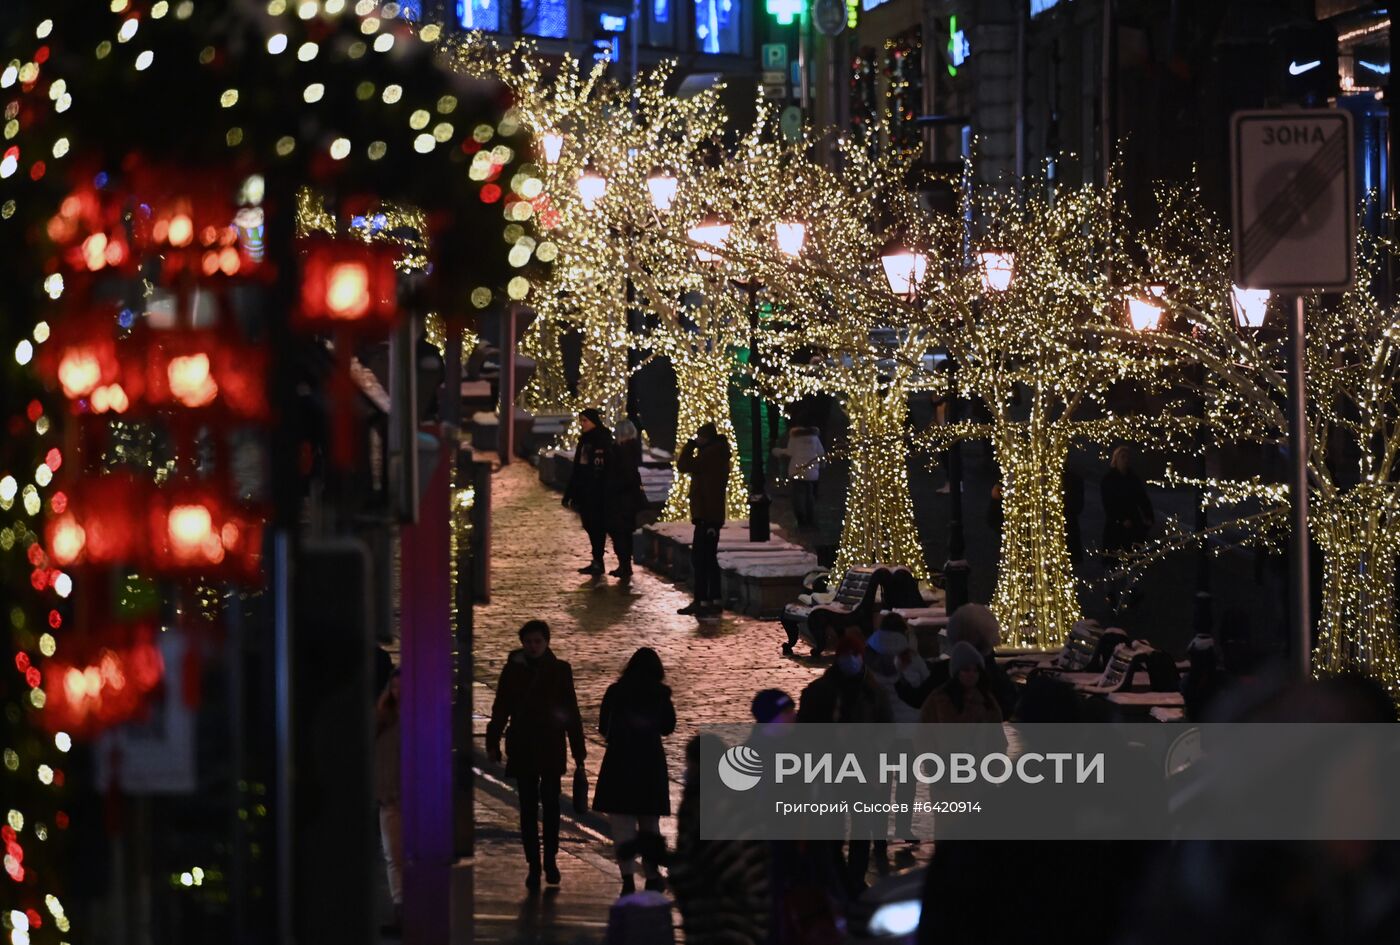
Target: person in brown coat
x=705 y=460
x=967 y=695
x=536 y=710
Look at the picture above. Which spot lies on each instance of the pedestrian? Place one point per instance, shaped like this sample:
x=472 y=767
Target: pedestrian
x=967 y=695
x=1127 y=516
x=706 y=460
x=626 y=496
x=1074 y=508
x=387 y=753
x=976 y=625
x=893 y=659
x=721 y=885
x=633 y=787
x=592 y=485
x=536 y=710
x=848 y=693
x=804 y=452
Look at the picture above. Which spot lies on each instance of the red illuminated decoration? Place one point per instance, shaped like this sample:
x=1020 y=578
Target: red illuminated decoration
x=347 y=283
x=192 y=531
x=81 y=358
x=109 y=681
x=195 y=369
x=102 y=523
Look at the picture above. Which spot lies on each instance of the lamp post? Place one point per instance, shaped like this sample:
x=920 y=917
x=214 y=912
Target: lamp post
x=711 y=235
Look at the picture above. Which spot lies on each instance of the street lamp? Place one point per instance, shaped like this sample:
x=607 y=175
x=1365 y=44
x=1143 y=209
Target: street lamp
x=1251 y=306
x=591 y=188
x=710 y=235
x=553 y=144
x=995 y=268
x=791 y=237
x=1145 y=311
x=904 y=269
x=662 y=188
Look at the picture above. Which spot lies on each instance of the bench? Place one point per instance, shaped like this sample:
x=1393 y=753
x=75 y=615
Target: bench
x=853 y=606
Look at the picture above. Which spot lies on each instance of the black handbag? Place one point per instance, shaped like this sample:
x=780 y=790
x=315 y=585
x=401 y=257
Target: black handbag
x=580 y=790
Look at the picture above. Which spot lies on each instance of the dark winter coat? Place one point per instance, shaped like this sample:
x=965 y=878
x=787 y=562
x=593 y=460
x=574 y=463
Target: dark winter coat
x=835 y=697
x=629 y=498
x=1127 y=510
x=634 y=718
x=536 y=709
x=721 y=886
x=594 y=479
x=708 y=468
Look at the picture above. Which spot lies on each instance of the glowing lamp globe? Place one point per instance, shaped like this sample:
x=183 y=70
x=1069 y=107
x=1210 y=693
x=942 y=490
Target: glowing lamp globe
x=189 y=529
x=553 y=144
x=791 y=237
x=661 y=187
x=591 y=188
x=995 y=268
x=66 y=539
x=1251 y=306
x=710 y=235
x=1145 y=312
x=347 y=290
x=904 y=269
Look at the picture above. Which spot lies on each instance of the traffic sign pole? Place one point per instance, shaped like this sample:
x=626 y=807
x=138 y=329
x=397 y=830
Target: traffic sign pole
x=1294 y=232
x=1299 y=590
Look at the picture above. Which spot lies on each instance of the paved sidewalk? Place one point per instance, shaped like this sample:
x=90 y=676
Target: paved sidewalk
x=713 y=671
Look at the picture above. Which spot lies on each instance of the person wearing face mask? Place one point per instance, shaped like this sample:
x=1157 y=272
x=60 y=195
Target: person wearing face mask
x=846 y=693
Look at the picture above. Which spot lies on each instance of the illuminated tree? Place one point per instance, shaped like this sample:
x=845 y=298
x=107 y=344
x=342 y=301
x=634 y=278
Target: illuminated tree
x=1353 y=424
x=1028 y=322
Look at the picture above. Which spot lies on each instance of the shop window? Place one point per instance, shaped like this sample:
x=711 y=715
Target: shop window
x=719 y=26
x=904 y=78
x=480 y=15
x=545 y=18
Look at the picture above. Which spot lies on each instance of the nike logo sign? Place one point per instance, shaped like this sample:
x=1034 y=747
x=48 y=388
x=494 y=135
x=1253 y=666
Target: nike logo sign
x=1296 y=69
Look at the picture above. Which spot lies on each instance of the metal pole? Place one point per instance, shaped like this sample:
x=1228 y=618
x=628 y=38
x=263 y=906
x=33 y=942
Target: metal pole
x=758 y=486
x=1202 y=617
x=505 y=431
x=804 y=94
x=282 y=670
x=956 y=570
x=1300 y=597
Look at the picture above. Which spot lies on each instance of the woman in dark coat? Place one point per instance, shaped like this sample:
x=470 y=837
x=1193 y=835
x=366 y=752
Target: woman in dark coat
x=593 y=485
x=626 y=497
x=633 y=787
x=536 y=709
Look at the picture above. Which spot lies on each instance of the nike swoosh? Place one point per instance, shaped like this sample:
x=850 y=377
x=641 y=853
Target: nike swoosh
x=1295 y=69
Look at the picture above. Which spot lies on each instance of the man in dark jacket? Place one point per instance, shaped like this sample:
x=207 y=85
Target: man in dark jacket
x=706 y=460
x=536 y=709
x=848 y=693
x=593 y=485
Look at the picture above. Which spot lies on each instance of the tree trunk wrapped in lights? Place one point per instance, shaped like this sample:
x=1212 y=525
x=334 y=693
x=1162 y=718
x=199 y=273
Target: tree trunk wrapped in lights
x=547 y=391
x=702 y=385
x=1359 y=541
x=879 y=522
x=1035 y=596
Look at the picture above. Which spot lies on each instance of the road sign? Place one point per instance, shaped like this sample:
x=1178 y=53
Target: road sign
x=775 y=90
x=775 y=56
x=829 y=16
x=773 y=77
x=1294 y=206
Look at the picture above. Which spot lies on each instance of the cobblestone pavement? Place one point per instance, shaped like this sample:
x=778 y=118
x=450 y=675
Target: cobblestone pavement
x=536 y=547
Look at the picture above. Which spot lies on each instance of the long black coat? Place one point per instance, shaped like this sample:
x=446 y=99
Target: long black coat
x=536 y=709
x=634 y=718
x=594 y=479
x=1127 y=510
